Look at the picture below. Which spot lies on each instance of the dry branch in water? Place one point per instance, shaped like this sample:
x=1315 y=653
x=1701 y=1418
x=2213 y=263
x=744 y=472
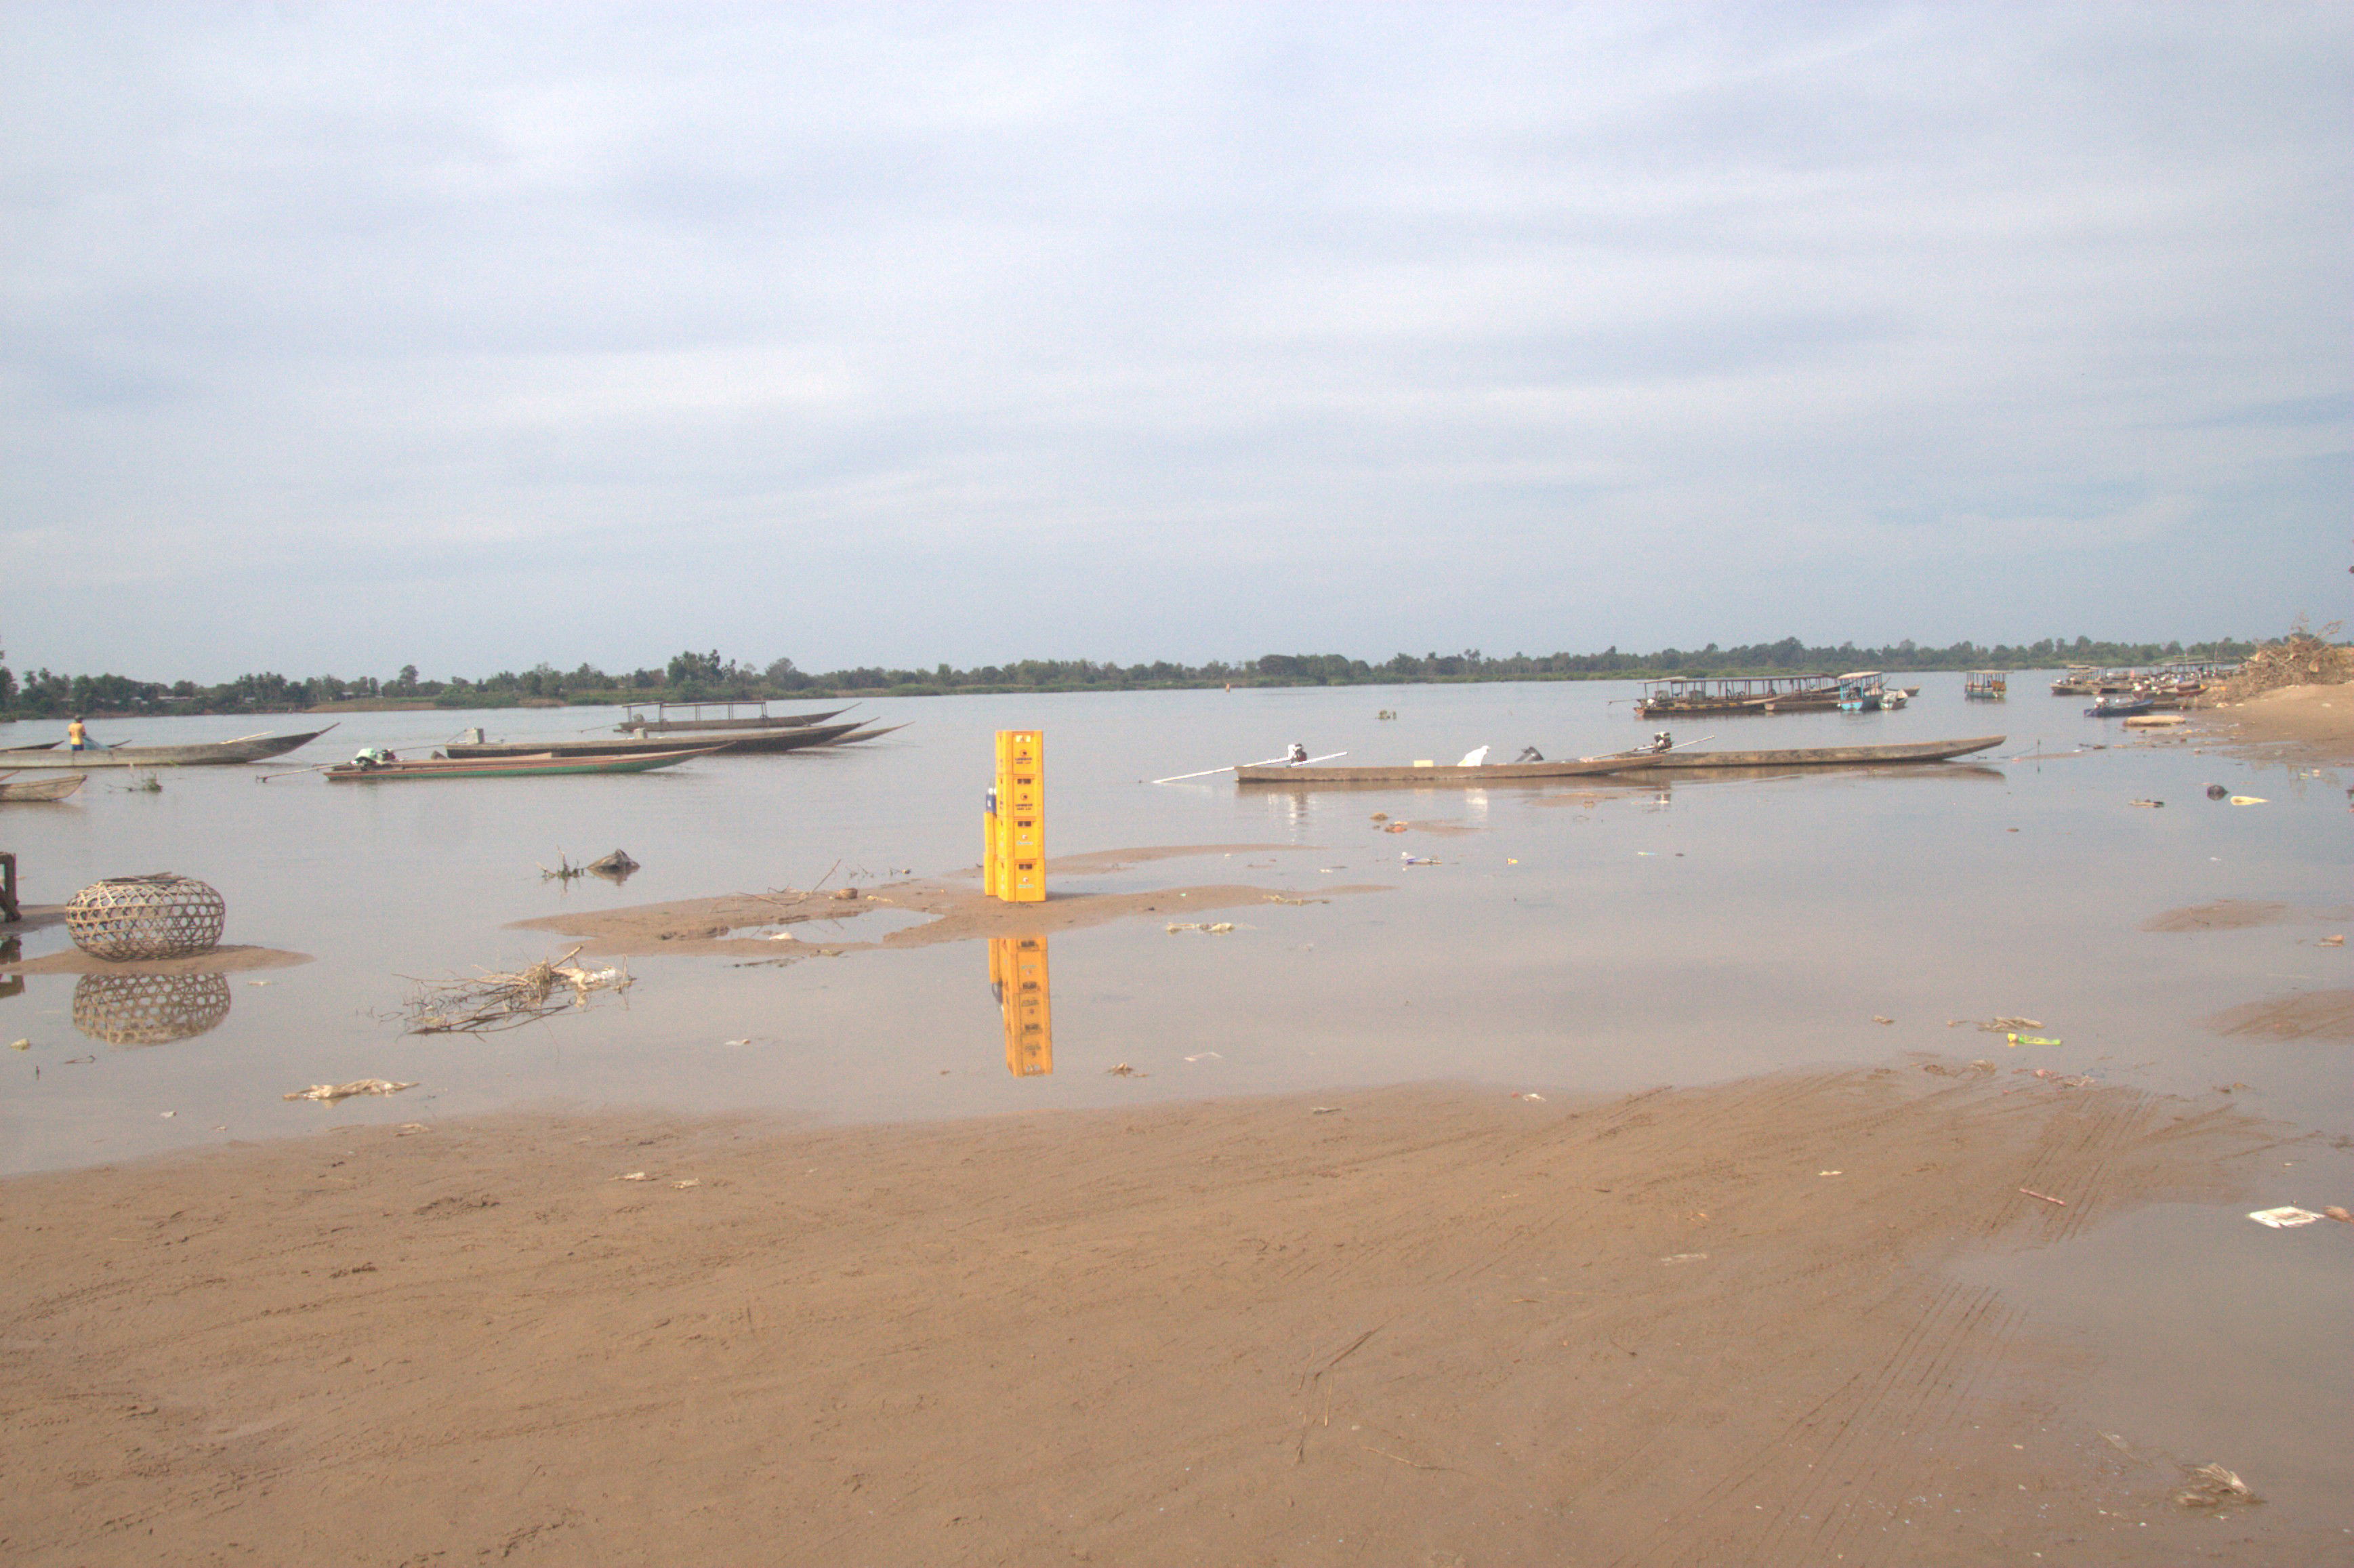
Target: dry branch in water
x=492 y=1001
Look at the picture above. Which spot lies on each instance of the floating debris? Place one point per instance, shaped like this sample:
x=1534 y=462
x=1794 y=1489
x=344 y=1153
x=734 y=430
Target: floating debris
x=494 y=1002
x=2285 y=1218
x=2212 y=1486
x=1122 y=1070
x=331 y=1093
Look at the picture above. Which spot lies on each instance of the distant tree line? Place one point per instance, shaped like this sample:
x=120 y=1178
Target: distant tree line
x=691 y=676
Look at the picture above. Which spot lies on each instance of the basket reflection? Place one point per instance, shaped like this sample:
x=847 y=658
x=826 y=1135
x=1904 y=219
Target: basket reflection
x=149 y=1010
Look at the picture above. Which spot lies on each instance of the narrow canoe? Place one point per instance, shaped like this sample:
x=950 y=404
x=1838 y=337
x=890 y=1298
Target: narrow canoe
x=540 y=767
x=1627 y=762
x=1807 y=757
x=757 y=742
x=209 y=753
x=763 y=721
x=55 y=788
x=1499 y=773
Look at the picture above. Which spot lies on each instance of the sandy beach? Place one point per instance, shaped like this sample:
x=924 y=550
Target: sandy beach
x=1414 y=1326
x=2309 y=725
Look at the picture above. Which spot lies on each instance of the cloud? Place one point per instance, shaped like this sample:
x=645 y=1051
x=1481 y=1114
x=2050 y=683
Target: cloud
x=1174 y=332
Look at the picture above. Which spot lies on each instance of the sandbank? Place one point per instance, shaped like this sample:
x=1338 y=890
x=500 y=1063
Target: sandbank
x=2312 y=725
x=1429 y=1325
x=958 y=909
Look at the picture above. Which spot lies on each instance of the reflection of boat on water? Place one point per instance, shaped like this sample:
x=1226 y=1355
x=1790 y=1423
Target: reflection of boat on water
x=55 y=788
x=149 y=1010
x=1017 y=974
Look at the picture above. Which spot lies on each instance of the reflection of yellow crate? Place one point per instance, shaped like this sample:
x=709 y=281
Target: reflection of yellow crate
x=1018 y=966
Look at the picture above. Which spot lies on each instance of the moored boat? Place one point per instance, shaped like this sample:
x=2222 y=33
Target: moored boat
x=1813 y=756
x=541 y=766
x=751 y=743
x=1683 y=696
x=2119 y=704
x=638 y=722
x=199 y=753
x=1646 y=761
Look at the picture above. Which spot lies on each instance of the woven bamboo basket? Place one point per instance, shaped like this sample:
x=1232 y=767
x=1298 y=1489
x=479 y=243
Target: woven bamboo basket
x=162 y=915
x=149 y=1010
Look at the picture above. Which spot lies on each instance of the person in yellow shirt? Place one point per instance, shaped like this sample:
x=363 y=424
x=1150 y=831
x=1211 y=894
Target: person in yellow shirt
x=77 y=736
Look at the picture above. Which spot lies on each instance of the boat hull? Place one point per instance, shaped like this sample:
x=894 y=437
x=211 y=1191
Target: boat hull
x=687 y=726
x=1810 y=757
x=542 y=766
x=204 y=754
x=1499 y=773
x=757 y=743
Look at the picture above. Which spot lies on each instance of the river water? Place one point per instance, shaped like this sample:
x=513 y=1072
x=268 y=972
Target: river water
x=1572 y=936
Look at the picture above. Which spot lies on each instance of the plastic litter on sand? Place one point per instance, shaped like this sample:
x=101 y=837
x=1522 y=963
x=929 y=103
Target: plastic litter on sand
x=2287 y=1217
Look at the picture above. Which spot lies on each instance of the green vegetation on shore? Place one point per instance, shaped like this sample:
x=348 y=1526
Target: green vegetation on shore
x=691 y=676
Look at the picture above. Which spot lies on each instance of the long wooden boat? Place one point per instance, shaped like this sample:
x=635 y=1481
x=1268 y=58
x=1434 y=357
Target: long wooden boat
x=1497 y=773
x=1625 y=762
x=540 y=767
x=55 y=788
x=754 y=742
x=661 y=723
x=199 y=753
x=1808 y=756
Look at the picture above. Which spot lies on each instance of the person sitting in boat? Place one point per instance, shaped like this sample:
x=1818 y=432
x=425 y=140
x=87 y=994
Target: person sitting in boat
x=77 y=735
x=1663 y=741
x=1297 y=756
x=374 y=757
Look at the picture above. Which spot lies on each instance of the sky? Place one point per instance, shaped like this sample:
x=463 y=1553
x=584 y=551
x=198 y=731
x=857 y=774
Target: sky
x=335 y=338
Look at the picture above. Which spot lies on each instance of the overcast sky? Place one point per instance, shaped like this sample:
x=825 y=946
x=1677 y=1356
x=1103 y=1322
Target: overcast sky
x=333 y=338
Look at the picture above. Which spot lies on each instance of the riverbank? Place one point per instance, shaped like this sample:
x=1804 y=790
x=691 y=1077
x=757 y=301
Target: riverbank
x=1429 y=1325
x=2310 y=725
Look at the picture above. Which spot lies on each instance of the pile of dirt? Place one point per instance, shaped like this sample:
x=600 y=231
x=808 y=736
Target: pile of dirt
x=2300 y=659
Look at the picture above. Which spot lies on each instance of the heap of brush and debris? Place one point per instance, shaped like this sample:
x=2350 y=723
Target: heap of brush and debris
x=2303 y=658
x=491 y=1002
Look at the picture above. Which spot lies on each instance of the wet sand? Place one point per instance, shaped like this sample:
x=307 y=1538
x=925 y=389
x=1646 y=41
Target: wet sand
x=958 y=909
x=2295 y=724
x=1425 y=1326
x=229 y=958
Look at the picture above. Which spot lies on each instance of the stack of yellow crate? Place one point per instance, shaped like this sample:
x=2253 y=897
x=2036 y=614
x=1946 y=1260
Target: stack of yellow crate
x=1014 y=862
